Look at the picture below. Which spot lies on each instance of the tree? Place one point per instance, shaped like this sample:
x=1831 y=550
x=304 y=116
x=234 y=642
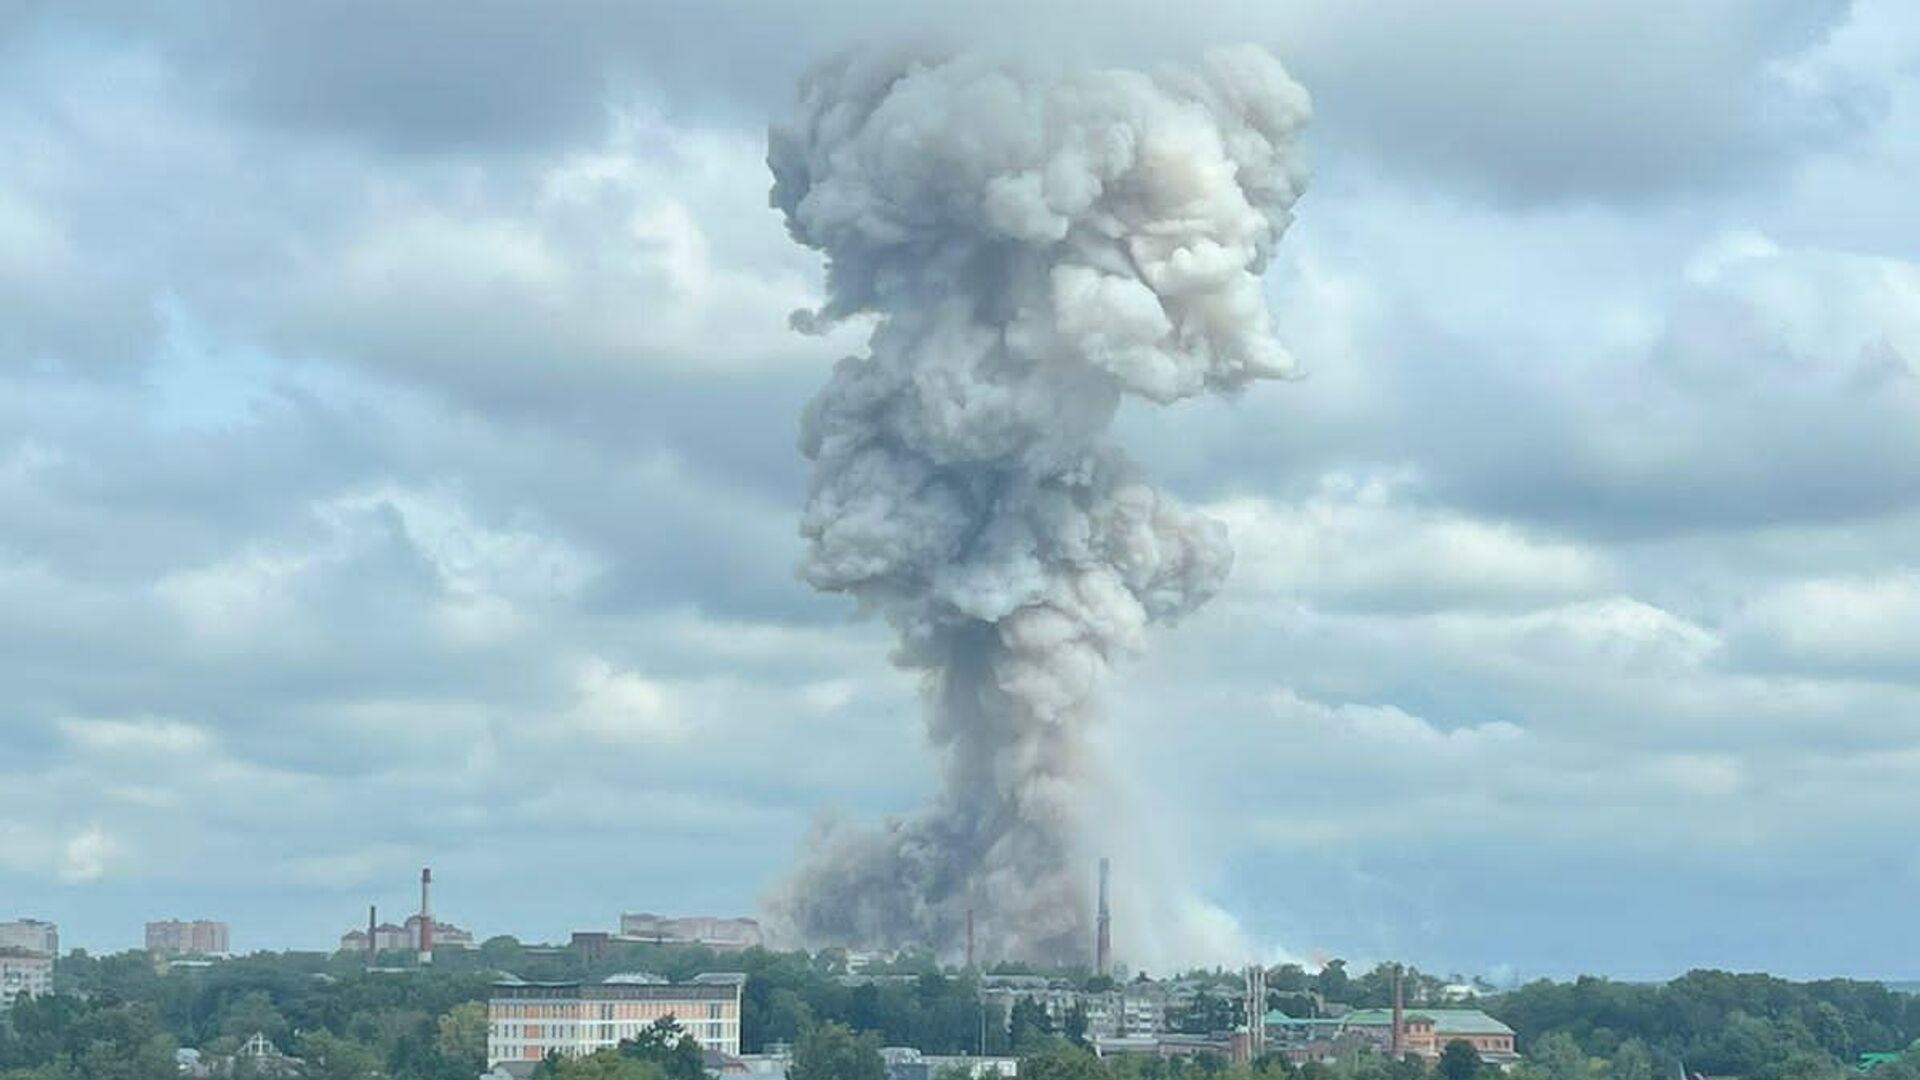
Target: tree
x=1632 y=1061
x=834 y=1052
x=605 y=1065
x=1060 y=1061
x=1558 y=1057
x=1298 y=1006
x=1275 y=1064
x=1028 y=1025
x=664 y=1045
x=251 y=1012
x=1206 y=1014
x=462 y=1035
x=1459 y=1061
x=1289 y=978
x=331 y=1057
x=1803 y=1065
x=1314 y=1070
x=1332 y=982
x=1074 y=1027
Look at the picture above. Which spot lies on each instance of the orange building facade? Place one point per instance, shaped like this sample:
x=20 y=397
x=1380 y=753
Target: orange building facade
x=527 y=1021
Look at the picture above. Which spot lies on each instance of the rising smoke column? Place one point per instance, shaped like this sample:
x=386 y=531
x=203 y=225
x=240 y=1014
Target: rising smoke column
x=1030 y=244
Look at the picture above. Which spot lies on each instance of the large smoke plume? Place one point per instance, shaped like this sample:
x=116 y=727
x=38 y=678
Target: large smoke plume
x=1030 y=244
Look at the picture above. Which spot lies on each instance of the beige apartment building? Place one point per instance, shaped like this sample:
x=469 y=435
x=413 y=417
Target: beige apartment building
x=33 y=935
x=526 y=1021
x=200 y=937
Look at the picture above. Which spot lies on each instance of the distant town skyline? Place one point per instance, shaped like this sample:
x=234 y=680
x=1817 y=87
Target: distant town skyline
x=398 y=467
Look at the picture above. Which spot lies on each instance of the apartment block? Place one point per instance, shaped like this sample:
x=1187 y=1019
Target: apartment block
x=23 y=974
x=33 y=935
x=200 y=937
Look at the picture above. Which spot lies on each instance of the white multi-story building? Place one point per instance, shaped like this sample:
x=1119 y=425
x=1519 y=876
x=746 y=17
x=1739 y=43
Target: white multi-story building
x=1133 y=1010
x=32 y=935
x=526 y=1021
x=23 y=973
x=1128 y=1010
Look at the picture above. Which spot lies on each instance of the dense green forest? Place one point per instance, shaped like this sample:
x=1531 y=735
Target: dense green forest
x=119 y=1018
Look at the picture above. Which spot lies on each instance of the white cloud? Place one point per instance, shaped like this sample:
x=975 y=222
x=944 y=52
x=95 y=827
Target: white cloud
x=1863 y=625
x=1712 y=775
x=237 y=599
x=147 y=739
x=608 y=263
x=623 y=707
x=87 y=855
x=1356 y=543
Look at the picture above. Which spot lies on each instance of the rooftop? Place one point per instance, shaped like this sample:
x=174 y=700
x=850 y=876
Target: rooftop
x=1276 y=1018
x=1445 y=1021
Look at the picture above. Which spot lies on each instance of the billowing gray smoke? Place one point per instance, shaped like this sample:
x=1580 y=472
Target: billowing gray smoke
x=1030 y=244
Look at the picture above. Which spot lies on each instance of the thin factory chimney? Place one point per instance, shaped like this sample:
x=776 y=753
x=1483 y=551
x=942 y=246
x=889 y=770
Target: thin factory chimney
x=373 y=937
x=426 y=915
x=1399 y=1016
x=1103 y=932
x=969 y=938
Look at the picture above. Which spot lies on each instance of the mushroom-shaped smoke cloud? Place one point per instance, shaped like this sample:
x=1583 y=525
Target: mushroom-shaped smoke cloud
x=1030 y=244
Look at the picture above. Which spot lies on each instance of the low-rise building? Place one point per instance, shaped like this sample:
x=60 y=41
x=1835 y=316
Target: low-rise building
x=23 y=973
x=201 y=937
x=1424 y=1032
x=526 y=1021
x=907 y=1063
x=406 y=938
x=1168 y=1045
x=712 y=931
x=903 y=1063
x=1130 y=1010
x=1427 y=1032
x=32 y=935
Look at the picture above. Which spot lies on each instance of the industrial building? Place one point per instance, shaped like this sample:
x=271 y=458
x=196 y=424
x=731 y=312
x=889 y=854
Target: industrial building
x=406 y=938
x=1427 y=1032
x=33 y=935
x=712 y=931
x=1423 y=1032
x=419 y=935
x=201 y=937
x=528 y=1020
x=23 y=973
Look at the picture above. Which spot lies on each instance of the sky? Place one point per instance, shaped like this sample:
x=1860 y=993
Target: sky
x=397 y=466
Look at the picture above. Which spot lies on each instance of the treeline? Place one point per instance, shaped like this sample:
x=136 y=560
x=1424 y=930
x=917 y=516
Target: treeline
x=1710 y=1022
x=118 y=1018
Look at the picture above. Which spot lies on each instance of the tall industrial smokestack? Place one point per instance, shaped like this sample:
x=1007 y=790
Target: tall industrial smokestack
x=1399 y=1039
x=969 y=938
x=1029 y=246
x=373 y=936
x=1256 y=1010
x=426 y=915
x=1103 y=929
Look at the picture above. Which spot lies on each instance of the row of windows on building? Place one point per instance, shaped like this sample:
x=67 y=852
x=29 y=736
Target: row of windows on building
x=710 y=1031
x=607 y=1010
